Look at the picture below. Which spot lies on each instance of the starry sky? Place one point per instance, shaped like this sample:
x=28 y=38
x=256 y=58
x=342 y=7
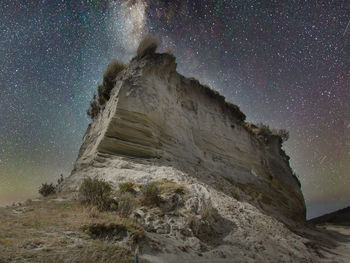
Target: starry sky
x=285 y=63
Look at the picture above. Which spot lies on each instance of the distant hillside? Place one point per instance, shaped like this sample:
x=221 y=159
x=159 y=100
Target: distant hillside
x=340 y=217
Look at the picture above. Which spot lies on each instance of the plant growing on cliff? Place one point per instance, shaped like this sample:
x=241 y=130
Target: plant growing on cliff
x=104 y=90
x=127 y=187
x=282 y=133
x=150 y=194
x=207 y=212
x=96 y=193
x=148 y=45
x=109 y=79
x=126 y=204
x=94 y=108
x=264 y=130
x=47 y=189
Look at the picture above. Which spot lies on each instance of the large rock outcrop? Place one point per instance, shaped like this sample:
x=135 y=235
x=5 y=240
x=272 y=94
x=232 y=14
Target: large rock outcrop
x=158 y=123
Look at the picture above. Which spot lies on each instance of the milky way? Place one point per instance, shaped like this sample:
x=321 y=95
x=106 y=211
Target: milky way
x=285 y=64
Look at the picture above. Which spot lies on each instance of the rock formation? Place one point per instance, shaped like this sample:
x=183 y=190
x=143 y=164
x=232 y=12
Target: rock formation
x=158 y=124
x=158 y=118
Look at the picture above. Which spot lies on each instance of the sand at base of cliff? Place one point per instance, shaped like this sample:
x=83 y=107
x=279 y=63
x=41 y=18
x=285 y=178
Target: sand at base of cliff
x=342 y=252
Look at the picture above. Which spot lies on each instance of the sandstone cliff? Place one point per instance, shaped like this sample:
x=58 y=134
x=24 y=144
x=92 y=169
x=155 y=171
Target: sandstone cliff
x=238 y=201
x=157 y=120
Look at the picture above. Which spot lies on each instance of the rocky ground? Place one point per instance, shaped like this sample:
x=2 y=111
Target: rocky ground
x=184 y=226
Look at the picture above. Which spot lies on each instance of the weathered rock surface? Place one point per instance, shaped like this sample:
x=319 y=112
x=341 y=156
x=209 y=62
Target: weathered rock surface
x=158 y=122
x=159 y=125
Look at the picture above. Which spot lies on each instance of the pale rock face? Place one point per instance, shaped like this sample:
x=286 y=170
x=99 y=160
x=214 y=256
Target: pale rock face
x=158 y=124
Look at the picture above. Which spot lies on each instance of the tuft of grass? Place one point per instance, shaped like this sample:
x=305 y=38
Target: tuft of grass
x=47 y=189
x=103 y=96
x=109 y=78
x=94 y=108
x=96 y=193
x=126 y=204
x=236 y=112
x=150 y=194
x=148 y=45
x=282 y=133
x=104 y=90
x=207 y=212
x=127 y=187
x=169 y=187
x=116 y=229
x=264 y=130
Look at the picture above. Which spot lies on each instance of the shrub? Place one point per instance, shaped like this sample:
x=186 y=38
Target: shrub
x=264 y=130
x=47 y=189
x=236 y=112
x=207 y=212
x=97 y=193
x=115 y=230
x=126 y=204
x=148 y=45
x=169 y=187
x=150 y=194
x=60 y=180
x=282 y=133
x=102 y=95
x=94 y=108
x=93 y=212
x=109 y=76
x=127 y=187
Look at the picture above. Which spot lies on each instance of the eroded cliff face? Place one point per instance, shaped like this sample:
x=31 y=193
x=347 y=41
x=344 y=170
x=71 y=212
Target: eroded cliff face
x=159 y=124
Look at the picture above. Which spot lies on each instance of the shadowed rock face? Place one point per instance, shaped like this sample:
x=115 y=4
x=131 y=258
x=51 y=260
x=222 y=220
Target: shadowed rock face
x=157 y=122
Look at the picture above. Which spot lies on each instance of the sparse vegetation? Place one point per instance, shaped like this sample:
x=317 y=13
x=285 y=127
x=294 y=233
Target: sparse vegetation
x=104 y=90
x=148 y=45
x=265 y=132
x=127 y=187
x=169 y=187
x=282 y=133
x=115 y=230
x=126 y=204
x=109 y=76
x=47 y=189
x=236 y=112
x=96 y=193
x=150 y=194
x=233 y=109
x=26 y=236
x=207 y=212
x=94 y=108
x=60 y=180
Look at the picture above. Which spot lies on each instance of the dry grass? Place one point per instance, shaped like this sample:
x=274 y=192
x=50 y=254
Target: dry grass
x=127 y=187
x=110 y=228
x=207 y=212
x=150 y=194
x=126 y=204
x=169 y=187
x=97 y=193
x=51 y=231
x=148 y=45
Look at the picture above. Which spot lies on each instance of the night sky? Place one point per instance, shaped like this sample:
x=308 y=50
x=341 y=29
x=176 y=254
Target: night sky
x=285 y=63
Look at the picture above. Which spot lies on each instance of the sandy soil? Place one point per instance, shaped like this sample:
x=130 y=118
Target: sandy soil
x=342 y=235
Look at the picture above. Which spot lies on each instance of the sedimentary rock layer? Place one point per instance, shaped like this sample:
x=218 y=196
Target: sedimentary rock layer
x=157 y=118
